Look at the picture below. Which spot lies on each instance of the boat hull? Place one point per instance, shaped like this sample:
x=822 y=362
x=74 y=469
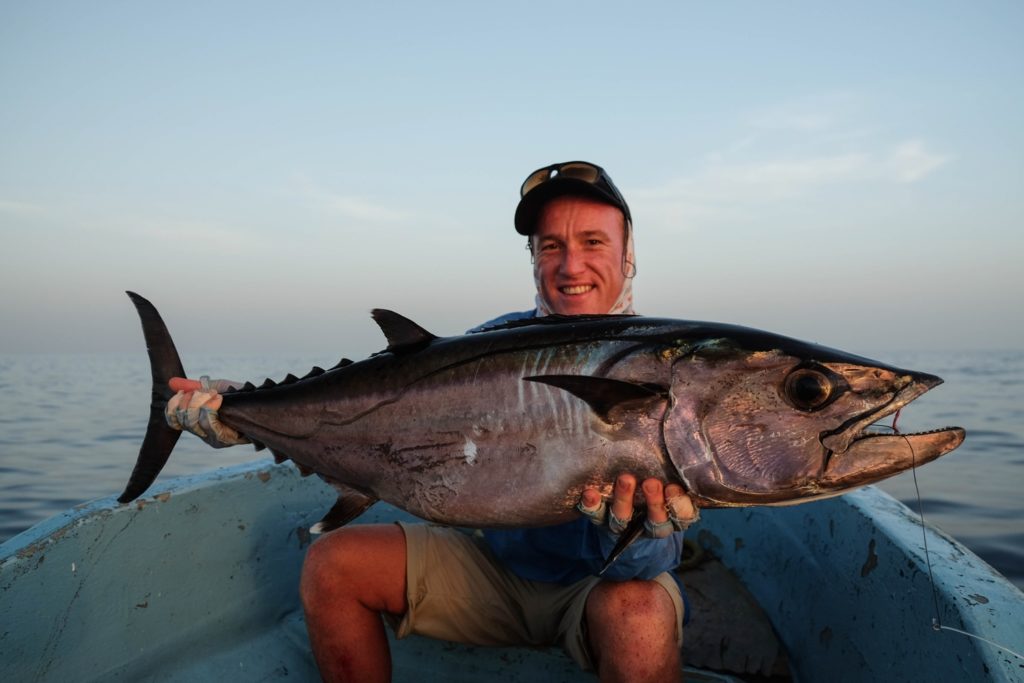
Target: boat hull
x=199 y=580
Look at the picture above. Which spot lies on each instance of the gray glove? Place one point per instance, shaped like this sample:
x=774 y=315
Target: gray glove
x=196 y=412
x=681 y=514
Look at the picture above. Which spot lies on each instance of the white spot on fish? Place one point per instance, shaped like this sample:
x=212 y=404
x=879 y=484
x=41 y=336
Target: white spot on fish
x=469 y=450
x=72 y=567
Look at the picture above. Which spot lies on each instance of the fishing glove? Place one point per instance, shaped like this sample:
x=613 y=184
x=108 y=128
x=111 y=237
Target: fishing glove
x=679 y=517
x=189 y=411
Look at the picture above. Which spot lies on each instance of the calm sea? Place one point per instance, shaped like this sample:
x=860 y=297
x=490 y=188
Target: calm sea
x=70 y=428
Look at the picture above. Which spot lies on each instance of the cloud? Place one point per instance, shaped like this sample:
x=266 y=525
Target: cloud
x=811 y=113
x=839 y=121
x=910 y=161
x=728 y=187
x=20 y=208
x=905 y=162
x=201 y=236
x=190 y=232
x=785 y=151
x=349 y=207
x=732 y=190
x=786 y=177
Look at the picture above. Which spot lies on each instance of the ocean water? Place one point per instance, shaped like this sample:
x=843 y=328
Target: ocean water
x=71 y=425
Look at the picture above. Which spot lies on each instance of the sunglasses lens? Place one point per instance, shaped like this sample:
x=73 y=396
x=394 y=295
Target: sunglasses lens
x=536 y=178
x=584 y=172
x=580 y=171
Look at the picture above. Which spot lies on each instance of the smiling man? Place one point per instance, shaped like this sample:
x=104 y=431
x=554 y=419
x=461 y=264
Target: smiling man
x=523 y=586
x=537 y=586
x=581 y=239
x=577 y=248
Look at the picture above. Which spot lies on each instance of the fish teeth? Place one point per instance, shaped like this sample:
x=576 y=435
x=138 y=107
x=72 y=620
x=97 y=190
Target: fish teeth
x=888 y=431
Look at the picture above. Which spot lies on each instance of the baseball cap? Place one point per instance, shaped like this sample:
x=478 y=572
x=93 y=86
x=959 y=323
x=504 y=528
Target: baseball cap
x=567 y=178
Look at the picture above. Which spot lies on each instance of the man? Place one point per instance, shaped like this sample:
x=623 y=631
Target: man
x=523 y=586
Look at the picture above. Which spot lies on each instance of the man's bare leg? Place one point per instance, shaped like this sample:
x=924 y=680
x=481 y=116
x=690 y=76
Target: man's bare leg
x=632 y=624
x=632 y=627
x=350 y=576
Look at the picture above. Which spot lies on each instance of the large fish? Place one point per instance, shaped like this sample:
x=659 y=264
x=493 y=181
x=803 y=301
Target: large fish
x=505 y=427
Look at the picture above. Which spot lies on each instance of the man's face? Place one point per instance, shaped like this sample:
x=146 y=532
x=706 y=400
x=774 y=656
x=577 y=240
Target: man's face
x=578 y=249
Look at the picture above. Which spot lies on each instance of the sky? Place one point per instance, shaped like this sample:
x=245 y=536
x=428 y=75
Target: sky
x=268 y=173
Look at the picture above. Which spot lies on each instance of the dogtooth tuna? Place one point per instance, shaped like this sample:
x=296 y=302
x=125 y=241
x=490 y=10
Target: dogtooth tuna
x=505 y=427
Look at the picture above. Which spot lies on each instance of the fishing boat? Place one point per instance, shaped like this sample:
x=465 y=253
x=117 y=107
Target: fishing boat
x=198 y=580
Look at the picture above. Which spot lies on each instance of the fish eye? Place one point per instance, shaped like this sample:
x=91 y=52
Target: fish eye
x=808 y=389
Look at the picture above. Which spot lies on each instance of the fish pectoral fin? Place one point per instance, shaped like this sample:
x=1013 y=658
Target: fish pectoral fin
x=632 y=532
x=403 y=335
x=350 y=504
x=603 y=394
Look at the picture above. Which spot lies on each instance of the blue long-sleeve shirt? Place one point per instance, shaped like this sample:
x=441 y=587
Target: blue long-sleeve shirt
x=566 y=553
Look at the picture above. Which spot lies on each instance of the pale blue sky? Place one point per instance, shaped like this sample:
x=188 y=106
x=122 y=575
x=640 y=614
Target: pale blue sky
x=266 y=173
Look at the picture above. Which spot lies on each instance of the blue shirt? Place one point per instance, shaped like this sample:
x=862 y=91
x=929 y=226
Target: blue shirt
x=566 y=553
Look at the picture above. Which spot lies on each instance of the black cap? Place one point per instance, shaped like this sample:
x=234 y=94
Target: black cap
x=580 y=178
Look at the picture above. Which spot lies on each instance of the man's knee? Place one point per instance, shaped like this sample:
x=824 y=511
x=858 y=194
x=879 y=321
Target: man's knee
x=632 y=631
x=631 y=601
x=325 y=566
x=365 y=563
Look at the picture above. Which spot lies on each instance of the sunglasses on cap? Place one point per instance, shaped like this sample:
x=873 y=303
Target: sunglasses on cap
x=570 y=177
x=578 y=170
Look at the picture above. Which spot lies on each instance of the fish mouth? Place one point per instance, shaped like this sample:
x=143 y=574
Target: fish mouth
x=873 y=457
x=855 y=450
x=840 y=439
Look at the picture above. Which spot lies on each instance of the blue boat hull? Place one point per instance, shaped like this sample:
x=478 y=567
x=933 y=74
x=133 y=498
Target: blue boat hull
x=199 y=581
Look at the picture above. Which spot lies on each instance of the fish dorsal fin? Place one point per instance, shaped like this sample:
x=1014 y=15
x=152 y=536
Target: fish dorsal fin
x=402 y=334
x=601 y=393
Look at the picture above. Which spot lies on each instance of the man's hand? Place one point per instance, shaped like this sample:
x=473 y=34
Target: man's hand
x=668 y=507
x=194 y=409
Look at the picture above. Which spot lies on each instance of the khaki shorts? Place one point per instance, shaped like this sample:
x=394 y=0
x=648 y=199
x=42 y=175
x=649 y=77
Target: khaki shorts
x=458 y=591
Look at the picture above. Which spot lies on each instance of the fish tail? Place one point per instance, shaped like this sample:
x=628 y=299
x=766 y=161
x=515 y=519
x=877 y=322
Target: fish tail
x=160 y=437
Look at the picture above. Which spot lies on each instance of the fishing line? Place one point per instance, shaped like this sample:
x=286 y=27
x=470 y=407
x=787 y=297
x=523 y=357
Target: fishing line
x=937 y=624
x=936 y=620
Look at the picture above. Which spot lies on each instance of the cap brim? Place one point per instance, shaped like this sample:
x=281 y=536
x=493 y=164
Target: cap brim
x=530 y=205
